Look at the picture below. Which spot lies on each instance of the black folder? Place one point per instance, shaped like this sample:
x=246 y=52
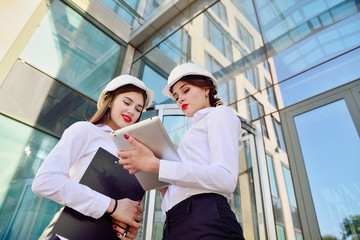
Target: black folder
x=106 y=176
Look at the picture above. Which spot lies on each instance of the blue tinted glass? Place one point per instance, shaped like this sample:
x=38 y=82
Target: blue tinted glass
x=121 y=10
x=246 y=7
x=151 y=6
x=340 y=70
x=157 y=83
x=279 y=134
x=69 y=48
x=223 y=92
x=254 y=108
x=278 y=17
x=318 y=48
x=280 y=231
x=298 y=236
x=289 y=186
x=330 y=147
x=273 y=183
x=23 y=215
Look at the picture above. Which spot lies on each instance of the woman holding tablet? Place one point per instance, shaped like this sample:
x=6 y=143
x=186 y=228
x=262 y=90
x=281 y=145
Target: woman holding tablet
x=120 y=104
x=196 y=202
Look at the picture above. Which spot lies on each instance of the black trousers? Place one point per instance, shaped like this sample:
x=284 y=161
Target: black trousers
x=204 y=216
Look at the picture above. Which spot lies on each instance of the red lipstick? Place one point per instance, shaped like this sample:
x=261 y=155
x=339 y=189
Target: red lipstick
x=126 y=118
x=184 y=106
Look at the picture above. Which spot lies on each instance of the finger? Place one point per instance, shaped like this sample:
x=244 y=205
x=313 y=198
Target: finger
x=132 y=170
x=140 y=209
x=118 y=229
x=132 y=141
x=119 y=223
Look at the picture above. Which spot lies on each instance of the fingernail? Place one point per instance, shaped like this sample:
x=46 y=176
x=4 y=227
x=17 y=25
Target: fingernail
x=126 y=136
x=114 y=226
x=138 y=201
x=118 y=234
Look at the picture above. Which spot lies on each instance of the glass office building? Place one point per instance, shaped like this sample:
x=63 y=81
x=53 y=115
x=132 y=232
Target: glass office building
x=289 y=69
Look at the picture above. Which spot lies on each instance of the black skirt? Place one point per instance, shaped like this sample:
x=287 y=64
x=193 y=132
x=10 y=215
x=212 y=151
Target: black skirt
x=205 y=216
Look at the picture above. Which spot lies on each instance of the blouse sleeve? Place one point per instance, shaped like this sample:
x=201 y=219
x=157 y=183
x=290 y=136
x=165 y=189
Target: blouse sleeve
x=52 y=180
x=224 y=137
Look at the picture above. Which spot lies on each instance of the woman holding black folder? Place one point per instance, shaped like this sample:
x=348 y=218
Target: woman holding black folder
x=120 y=104
x=196 y=202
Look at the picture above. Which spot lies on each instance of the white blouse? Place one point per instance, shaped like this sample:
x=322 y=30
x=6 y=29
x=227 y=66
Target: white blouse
x=72 y=155
x=209 y=151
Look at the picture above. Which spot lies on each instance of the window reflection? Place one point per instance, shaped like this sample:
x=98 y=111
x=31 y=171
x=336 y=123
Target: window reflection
x=220 y=10
x=217 y=38
x=126 y=11
x=23 y=149
x=69 y=48
x=157 y=83
x=332 y=165
x=177 y=46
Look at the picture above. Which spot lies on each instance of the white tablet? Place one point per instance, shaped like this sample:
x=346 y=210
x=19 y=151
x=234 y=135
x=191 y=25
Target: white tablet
x=152 y=134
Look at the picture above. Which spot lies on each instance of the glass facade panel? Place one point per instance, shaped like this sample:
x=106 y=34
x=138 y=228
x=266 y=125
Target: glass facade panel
x=157 y=82
x=214 y=35
x=273 y=184
x=280 y=231
x=292 y=200
x=23 y=215
x=318 y=48
x=176 y=47
x=278 y=132
x=124 y=11
x=220 y=11
x=243 y=202
x=332 y=165
x=68 y=47
x=320 y=79
x=43 y=102
x=289 y=186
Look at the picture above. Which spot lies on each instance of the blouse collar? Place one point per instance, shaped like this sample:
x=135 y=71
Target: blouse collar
x=202 y=113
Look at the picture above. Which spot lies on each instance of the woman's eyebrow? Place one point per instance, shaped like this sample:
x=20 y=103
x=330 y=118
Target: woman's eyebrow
x=185 y=84
x=133 y=101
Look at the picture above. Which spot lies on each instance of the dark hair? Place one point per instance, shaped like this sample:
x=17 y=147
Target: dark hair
x=205 y=83
x=102 y=115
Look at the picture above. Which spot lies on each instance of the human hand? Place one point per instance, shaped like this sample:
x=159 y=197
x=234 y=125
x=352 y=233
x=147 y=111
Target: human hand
x=120 y=228
x=139 y=159
x=128 y=212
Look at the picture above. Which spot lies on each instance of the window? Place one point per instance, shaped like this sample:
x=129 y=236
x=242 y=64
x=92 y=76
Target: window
x=245 y=35
x=23 y=215
x=177 y=46
x=217 y=38
x=71 y=49
x=263 y=127
x=122 y=10
x=220 y=10
x=157 y=82
x=211 y=64
x=292 y=201
x=270 y=93
x=254 y=108
x=279 y=219
x=278 y=132
x=253 y=76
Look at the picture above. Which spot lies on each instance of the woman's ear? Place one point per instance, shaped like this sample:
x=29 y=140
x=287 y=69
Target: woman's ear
x=207 y=90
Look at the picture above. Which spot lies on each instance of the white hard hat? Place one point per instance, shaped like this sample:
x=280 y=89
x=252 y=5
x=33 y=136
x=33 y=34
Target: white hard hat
x=124 y=80
x=183 y=70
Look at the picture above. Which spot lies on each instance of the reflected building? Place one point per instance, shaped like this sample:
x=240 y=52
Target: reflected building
x=288 y=69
